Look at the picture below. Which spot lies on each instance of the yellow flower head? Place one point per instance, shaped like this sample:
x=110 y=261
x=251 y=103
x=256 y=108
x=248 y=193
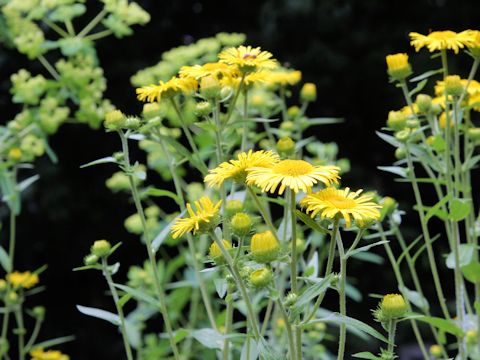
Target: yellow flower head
x=217 y=69
x=442 y=40
x=205 y=217
x=25 y=279
x=247 y=58
x=473 y=87
x=283 y=77
x=215 y=253
x=254 y=78
x=393 y=306
x=264 y=247
x=40 y=354
x=330 y=202
x=294 y=174
x=398 y=66
x=172 y=87
x=237 y=169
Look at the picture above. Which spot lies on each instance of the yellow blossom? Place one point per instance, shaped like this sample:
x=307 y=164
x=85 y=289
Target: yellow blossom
x=217 y=69
x=264 y=247
x=204 y=217
x=442 y=40
x=247 y=58
x=40 y=354
x=25 y=279
x=172 y=87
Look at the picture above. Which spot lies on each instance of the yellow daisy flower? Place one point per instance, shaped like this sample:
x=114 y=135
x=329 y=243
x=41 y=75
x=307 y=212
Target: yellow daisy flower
x=254 y=78
x=216 y=69
x=442 y=40
x=172 y=87
x=283 y=77
x=473 y=88
x=204 y=217
x=40 y=354
x=330 y=202
x=474 y=102
x=25 y=279
x=294 y=174
x=247 y=58
x=236 y=169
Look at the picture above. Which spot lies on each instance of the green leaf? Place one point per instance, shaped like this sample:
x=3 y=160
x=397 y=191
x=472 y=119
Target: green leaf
x=138 y=295
x=369 y=257
x=5 y=260
x=418 y=88
x=426 y=75
x=209 y=338
x=460 y=209
x=389 y=139
x=415 y=298
x=311 y=293
x=397 y=170
x=438 y=144
x=366 y=355
x=162 y=193
x=442 y=324
x=53 y=342
x=435 y=209
x=100 y=314
x=471 y=272
x=466 y=254
x=181 y=334
x=27 y=182
x=365 y=248
x=307 y=220
x=105 y=160
x=476 y=305
x=351 y=323
x=320 y=121
x=124 y=299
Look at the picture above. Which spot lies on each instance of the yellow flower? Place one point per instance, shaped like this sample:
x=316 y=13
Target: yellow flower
x=398 y=66
x=294 y=174
x=40 y=354
x=474 y=102
x=259 y=77
x=264 y=247
x=393 y=306
x=216 y=69
x=204 y=218
x=247 y=58
x=442 y=40
x=283 y=77
x=172 y=87
x=330 y=202
x=25 y=279
x=237 y=169
x=473 y=87
x=215 y=253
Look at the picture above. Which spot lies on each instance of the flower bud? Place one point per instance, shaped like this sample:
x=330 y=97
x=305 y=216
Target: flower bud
x=396 y=120
x=215 y=252
x=203 y=108
x=413 y=123
x=286 y=146
x=436 y=351
x=264 y=247
x=114 y=120
x=3 y=285
x=308 y=92
x=474 y=134
x=400 y=153
x=261 y=277
x=292 y=112
x=210 y=87
x=39 y=312
x=290 y=299
x=226 y=92
x=388 y=206
x=150 y=110
x=398 y=67
x=403 y=135
x=241 y=224
x=101 y=248
x=287 y=126
x=233 y=207
x=90 y=259
x=12 y=298
x=471 y=336
x=132 y=123
x=424 y=103
x=15 y=154
x=453 y=85
x=393 y=306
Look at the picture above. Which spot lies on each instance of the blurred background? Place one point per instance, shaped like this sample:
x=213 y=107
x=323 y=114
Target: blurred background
x=340 y=45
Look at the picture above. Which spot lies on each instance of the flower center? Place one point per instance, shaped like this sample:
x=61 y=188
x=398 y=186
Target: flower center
x=293 y=168
x=249 y=56
x=443 y=35
x=341 y=202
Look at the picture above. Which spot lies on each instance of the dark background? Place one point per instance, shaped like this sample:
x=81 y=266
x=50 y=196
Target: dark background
x=340 y=45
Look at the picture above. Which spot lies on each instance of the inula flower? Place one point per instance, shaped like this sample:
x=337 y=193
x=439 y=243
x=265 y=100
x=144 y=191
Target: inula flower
x=40 y=354
x=203 y=218
x=283 y=77
x=442 y=40
x=247 y=58
x=261 y=277
x=294 y=174
x=217 y=69
x=25 y=279
x=398 y=66
x=473 y=87
x=215 y=253
x=393 y=306
x=237 y=169
x=331 y=202
x=264 y=247
x=172 y=87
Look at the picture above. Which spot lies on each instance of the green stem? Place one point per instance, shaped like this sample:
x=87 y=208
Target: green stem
x=231 y=106
x=70 y=29
x=56 y=28
x=228 y=326
x=262 y=211
x=5 y=321
x=49 y=67
x=99 y=35
x=34 y=336
x=392 y=327
x=342 y=296
x=151 y=255
x=245 y=120
x=444 y=62
x=293 y=263
x=328 y=269
x=12 y=240
x=99 y=17
x=291 y=342
x=116 y=299
x=240 y=284
x=266 y=318
x=20 y=332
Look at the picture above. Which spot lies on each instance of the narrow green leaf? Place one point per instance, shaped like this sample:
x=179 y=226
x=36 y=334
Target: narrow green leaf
x=105 y=160
x=435 y=209
x=53 y=342
x=366 y=355
x=426 y=75
x=5 y=260
x=162 y=193
x=307 y=220
x=397 y=170
x=138 y=294
x=466 y=254
x=209 y=338
x=311 y=293
x=442 y=324
x=418 y=88
x=415 y=298
x=99 y=314
x=365 y=248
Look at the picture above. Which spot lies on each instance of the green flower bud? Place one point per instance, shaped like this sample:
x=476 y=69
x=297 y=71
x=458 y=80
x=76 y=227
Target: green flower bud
x=388 y=206
x=413 y=123
x=233 y=207
x=400 y=153
x=203 y=108
x=151 y=110
x=210 y=87
x=393 y=306
x=264 y=247
x=308 y=93
x=90 y=259
x=424 y=103
x=472 y=337
x=403 y=135
x=396 y=120
x=133 y=224
x=453 y=85
x=215 y=252
x=474 y=134
x=290 y=299
x=286 y=146
x=132 y=123
x=114 y=120
x=260 y=278
x=241 y=224
x=3 y=285
x=436 y=351
x=293 y=112
x=12 y=298
x=39 y=312
x=101 y=248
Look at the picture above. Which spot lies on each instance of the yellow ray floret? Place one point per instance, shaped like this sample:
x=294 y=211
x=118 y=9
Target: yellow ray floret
x=330 y=202
x=236 y=169
x=204 y=216
x=283 y=77
x=174 y=86
x=442 y=40
x=25 y=279
x=40 y=354
x=248 y=58
x=216 y=69
x=294 y=174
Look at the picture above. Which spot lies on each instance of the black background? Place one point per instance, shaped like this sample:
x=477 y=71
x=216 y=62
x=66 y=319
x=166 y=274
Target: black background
x=340 y=45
